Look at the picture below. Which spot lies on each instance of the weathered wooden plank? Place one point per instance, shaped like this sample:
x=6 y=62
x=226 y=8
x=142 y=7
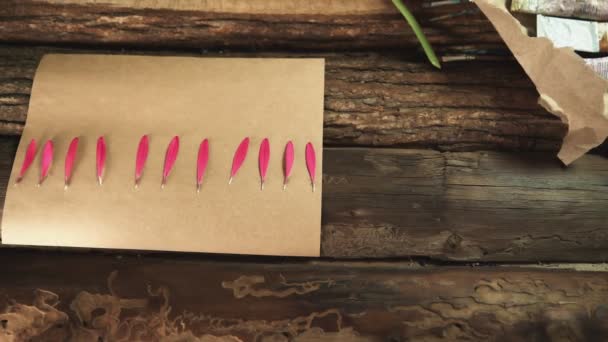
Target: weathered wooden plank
x=84 y=297
x=463 y=206
x=383 y=203
x=378 y=100
x=316 y=24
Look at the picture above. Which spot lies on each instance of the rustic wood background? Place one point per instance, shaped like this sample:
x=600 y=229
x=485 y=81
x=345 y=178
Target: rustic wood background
x=446 y=215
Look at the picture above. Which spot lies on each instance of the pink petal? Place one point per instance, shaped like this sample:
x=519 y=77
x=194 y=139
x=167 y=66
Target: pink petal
x=30 y=154
x=46 y=161
x=170 y=158
x=141 y=157
x=70 y=157
x=239 y=158
x=311 y=163
x=201 y=163
x=288 y=160
x=263 y=160
x=101 y=159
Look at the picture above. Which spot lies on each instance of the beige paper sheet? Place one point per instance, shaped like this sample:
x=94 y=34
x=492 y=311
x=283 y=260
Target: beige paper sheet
x=568 y=87
x=125 y=97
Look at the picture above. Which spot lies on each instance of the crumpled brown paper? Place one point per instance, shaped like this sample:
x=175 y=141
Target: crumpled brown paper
x=568 y=88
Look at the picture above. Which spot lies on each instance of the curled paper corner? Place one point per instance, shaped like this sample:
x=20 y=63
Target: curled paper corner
x=568 y=88
x=578 y=140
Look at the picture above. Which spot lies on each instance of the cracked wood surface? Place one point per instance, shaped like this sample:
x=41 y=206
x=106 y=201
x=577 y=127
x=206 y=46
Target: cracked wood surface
x=462 y=206
x=376 y=99
x=308 y=24
x=94 y=297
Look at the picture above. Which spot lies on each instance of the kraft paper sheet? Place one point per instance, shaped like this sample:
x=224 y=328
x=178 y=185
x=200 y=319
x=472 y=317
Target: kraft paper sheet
x=125 y=97
x=568 y=88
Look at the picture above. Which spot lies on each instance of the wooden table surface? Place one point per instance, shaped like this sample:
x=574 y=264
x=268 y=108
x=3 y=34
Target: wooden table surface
x=446 y=215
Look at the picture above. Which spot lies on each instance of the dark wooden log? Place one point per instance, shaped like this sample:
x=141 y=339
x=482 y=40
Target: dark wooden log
x=378 y=100
x=74 y=297
x=463 y=206
x=315 y=24
x=475 y=206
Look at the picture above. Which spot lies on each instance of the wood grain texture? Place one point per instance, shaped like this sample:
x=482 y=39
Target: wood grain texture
x=376 y=99
x=80 y=297
x=467 y=206
x=316 y=24
x=463 y=206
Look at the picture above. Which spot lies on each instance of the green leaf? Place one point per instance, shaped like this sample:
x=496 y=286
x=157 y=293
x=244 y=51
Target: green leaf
x=428 y=49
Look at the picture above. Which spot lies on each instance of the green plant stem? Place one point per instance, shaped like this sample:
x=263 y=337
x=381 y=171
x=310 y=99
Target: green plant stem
x=426 y=46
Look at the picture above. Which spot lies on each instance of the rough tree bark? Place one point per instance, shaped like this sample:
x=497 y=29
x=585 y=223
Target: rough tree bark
x=316 y=24
x=378 y=100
